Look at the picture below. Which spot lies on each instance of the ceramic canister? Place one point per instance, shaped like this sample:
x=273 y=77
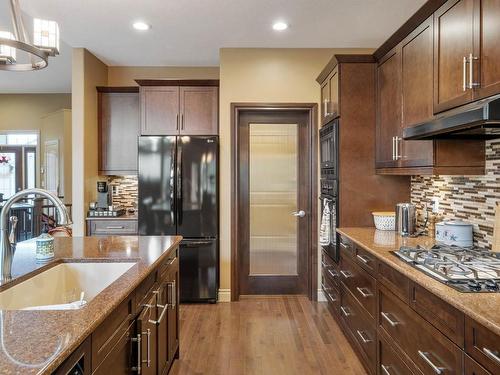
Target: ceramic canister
x=454 y=232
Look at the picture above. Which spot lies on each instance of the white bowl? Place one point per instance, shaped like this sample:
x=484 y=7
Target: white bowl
x=384 y=220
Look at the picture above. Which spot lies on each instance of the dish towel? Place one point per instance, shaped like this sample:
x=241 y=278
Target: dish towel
x=325 y=228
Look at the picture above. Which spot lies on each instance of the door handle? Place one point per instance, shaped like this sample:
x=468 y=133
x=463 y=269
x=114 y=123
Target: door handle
x=300 y=213
x=472 y=84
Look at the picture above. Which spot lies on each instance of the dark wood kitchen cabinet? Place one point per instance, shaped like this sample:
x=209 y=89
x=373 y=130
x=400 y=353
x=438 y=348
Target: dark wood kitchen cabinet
x=404 y=99
x=118 y=122
x=330 y=97
x=159 y=110
x=179 y=108
x=199 y=110
x=453 y=42
x=388 y=109
x=466 y=52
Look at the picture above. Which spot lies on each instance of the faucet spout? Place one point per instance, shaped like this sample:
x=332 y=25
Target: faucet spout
x=6 y=248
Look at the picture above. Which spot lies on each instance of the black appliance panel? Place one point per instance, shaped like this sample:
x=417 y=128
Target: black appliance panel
x=198 y=271
x=157 y=203
x=197 y=194
x=328 y=149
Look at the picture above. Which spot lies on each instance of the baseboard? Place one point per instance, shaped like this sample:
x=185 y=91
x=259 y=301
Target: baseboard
x=321 y=296
x=224 y=295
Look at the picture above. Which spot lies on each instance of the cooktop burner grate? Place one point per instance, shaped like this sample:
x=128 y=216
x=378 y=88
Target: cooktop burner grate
x=465 y=269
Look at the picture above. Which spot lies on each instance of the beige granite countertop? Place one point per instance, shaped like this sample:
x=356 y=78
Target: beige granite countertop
x=482 y=307
x=37 y=342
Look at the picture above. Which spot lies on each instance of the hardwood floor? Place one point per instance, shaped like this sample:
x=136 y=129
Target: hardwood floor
x=263 y=335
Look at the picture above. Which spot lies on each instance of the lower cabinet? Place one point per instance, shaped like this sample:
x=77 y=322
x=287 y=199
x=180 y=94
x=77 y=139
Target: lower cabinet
x=141 y=336
x=397 y=327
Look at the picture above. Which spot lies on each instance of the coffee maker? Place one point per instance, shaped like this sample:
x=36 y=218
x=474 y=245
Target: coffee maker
x=104 y=196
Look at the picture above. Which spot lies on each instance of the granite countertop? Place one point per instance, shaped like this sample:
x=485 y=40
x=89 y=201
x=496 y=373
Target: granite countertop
x=482 y=307
x=37 y=342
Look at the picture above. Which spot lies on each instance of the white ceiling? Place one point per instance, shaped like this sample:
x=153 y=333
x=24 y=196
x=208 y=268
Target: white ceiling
x=191 y=32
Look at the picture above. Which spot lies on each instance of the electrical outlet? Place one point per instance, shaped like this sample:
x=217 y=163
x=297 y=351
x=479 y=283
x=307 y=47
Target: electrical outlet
x=435 y=205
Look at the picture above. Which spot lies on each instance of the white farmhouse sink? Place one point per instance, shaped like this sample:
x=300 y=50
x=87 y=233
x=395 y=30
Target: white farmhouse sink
x=62 y=284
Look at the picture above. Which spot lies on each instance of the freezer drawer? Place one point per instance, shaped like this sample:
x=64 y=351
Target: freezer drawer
x=198 y=262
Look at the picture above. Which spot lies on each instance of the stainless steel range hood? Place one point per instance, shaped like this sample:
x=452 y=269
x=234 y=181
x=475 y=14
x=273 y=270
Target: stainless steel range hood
x=478 y=120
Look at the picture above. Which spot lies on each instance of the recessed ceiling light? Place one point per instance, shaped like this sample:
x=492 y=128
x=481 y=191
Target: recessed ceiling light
x=141 y=26
x=280 y=26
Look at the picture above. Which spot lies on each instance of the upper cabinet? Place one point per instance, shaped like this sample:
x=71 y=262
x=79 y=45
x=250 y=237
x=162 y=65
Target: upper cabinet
x=159 y=110
x=466 y=52
x=405 y=78
x=330 y=97
x=179 y=109
x=118 y=120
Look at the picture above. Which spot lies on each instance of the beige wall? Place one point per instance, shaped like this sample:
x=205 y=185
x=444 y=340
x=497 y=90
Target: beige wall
x=26 y=112
x=126 y=75
x=88 y=72
x=57 y=126
x=260 y=75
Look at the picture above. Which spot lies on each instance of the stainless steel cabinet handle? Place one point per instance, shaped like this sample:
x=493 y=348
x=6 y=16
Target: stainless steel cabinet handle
x=137 y=339
x=363 y=258
x=324 y=265
x=332 y=297
x=472 y=84
x=345 y=311
x=115 y=227
x=464 y=73
x=396 y=142
x=182 y=121
x=346 y=274
x=173 y=301
x=492 y=355
x=385 y=369
x=344 y=245
x=148 y=348
x=365 y=292
x=364 y=338
x=425 y=357
x=334 y=274
x=393 y=149
x=385 y=315
x=177 y=121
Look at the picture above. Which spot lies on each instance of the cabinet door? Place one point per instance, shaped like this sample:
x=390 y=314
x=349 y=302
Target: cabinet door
x=118 y=132
x=146 y=331
x=388 y=109
x=173 y=314
x=417 y=90
x=159 y=110
x=487 y=28
x=334 y=93
x=325 y=100
x=453 y=42
x=199 y=110
x=120 y=360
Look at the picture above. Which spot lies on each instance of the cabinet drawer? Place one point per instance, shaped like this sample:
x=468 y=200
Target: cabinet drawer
x=390 y=362
x=482 y=345
x=111 y=227
x=365 y=259
x=346 y=245
x=360 y=283
x=330 y=269
x=111 y=331
x=331 y=292
x=440 y=314
x=361 y=327
x=424 y=345
x=471 y=367
x=395 y=281
x=171 y=262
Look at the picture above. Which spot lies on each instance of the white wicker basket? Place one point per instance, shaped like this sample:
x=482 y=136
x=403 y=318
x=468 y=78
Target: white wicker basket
x=384 y=220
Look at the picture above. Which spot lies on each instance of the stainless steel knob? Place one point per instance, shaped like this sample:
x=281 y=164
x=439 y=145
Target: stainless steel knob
x=300 y=213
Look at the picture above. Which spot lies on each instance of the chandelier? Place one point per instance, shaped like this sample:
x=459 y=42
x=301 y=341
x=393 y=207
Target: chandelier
x=45 y=42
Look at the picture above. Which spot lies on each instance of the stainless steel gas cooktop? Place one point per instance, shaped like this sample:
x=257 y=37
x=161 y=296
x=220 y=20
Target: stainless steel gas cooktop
x=465 y=269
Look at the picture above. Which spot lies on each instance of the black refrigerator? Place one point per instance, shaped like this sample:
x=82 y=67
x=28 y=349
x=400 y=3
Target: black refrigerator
x=178 y=194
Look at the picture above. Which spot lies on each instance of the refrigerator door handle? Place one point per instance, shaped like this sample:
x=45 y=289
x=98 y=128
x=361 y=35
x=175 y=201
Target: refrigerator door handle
x=179 y=182
x=196 y=243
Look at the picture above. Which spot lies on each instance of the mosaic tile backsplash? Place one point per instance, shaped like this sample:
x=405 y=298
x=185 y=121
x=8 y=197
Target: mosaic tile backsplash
x=125 y=190
x=469 y=198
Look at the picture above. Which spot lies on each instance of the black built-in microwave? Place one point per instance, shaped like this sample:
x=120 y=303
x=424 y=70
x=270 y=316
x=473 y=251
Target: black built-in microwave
x=328 y=149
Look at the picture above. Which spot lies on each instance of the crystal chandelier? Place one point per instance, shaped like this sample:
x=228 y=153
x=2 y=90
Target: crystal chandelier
x=45 y=42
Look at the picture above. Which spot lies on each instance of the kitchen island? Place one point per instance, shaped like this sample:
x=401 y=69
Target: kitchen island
x=403 y=320
x=104 y=330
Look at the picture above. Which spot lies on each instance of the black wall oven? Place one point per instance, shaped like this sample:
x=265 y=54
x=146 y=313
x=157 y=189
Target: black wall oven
x=328 y=136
